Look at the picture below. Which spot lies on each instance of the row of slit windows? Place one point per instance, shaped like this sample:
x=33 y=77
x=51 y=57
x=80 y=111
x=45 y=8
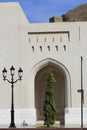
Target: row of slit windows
x=45 y=39
x=49 y=48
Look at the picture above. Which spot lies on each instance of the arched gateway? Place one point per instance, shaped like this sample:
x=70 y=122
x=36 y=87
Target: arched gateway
x=62 y=87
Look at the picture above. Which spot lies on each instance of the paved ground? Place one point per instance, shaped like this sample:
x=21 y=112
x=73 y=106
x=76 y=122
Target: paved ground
x=35 y=126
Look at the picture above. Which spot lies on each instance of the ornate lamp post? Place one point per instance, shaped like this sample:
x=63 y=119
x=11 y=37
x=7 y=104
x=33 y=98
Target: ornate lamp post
x=12 y=82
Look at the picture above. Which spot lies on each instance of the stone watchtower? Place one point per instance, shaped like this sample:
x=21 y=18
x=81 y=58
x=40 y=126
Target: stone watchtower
x=56 y=19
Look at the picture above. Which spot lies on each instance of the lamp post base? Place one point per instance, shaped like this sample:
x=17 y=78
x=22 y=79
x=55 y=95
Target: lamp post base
x=12 y=125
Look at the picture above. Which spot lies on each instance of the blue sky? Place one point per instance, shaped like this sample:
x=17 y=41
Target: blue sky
x=39 y=11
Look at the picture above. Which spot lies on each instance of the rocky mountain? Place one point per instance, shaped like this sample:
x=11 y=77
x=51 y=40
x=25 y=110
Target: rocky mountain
x=77 y=14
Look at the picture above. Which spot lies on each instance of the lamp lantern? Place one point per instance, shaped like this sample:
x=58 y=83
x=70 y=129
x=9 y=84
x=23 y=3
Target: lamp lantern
x=20 y=73
x=12 y=70
x=4 y=73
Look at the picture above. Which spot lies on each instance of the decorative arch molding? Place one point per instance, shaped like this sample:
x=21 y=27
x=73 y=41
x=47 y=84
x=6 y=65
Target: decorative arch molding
x=65 y=72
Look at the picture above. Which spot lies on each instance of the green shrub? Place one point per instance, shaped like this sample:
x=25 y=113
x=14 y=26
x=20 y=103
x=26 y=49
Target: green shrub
x=49 y=103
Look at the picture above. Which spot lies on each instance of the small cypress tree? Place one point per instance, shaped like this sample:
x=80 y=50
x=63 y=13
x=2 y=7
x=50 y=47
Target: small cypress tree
x=49 y=103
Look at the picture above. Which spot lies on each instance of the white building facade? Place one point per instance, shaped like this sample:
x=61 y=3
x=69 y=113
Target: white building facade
x=37 y=47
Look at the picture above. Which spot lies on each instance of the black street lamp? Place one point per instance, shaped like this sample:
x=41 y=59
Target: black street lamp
x=12 y=82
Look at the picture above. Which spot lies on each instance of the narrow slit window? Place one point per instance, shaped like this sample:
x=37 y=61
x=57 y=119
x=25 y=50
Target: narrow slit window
x=48 y=48
x=61 y=39
x=29 y=40
x=64 y=47
x=53 y=39
x=33 y=48
x=45 y=39
x=40 y=48
x=56 y=48
x=37 y=40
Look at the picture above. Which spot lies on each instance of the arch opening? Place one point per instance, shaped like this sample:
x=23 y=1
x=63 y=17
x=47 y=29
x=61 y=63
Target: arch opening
x=62 y=90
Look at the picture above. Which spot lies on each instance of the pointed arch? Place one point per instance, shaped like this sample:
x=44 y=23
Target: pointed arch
x=40 y=65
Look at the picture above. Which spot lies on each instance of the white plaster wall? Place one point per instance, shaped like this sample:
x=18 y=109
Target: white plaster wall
x=21 y=115
x=73 y=116
x=16 y=49
x=69 y=58
x=11 y=13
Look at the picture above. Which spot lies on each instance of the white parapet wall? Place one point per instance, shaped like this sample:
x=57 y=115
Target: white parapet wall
x=27 y=116
x=73 y=116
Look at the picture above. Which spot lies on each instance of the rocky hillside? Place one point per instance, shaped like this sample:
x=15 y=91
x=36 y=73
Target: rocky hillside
x=77 y=14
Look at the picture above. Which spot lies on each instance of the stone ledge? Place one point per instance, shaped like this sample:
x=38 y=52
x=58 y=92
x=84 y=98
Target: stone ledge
x=42 y=122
